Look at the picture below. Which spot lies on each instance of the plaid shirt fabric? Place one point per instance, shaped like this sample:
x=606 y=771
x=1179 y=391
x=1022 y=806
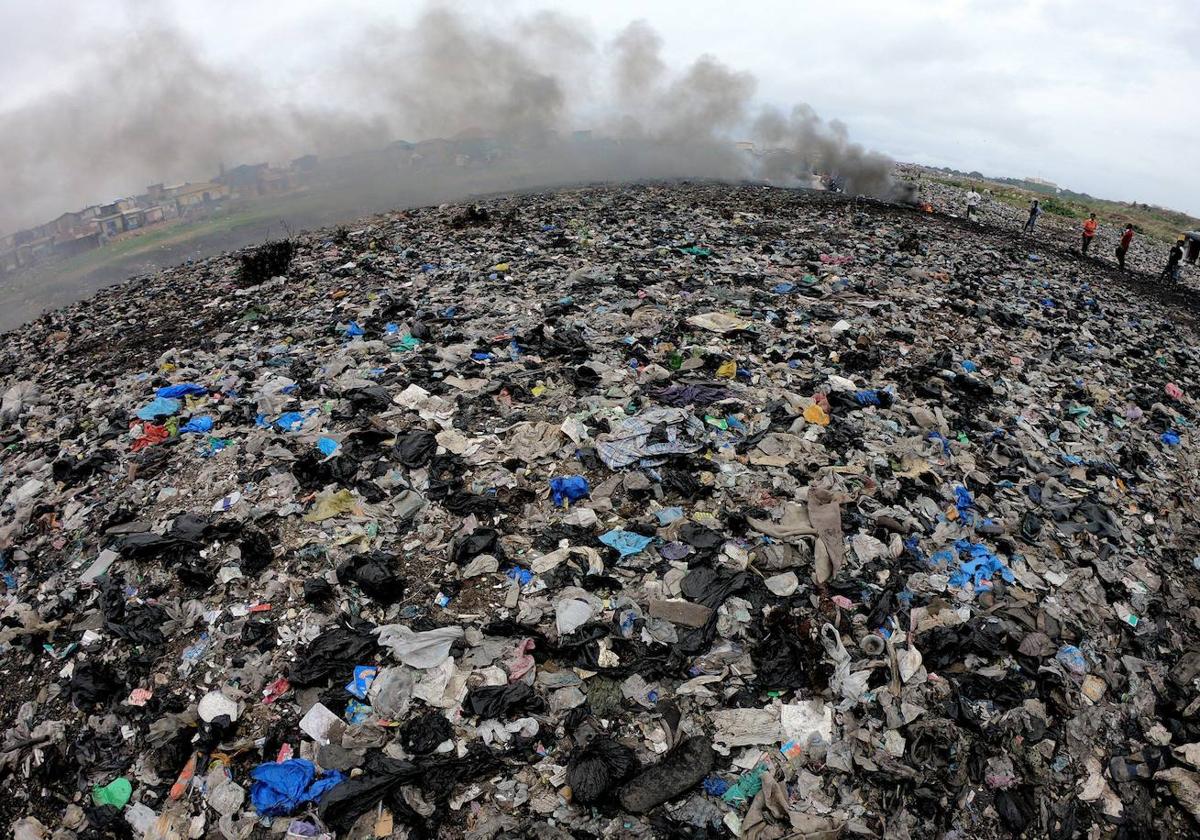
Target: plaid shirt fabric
x=630 y=440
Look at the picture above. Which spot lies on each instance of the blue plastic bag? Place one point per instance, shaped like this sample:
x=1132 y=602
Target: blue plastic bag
x=625 y=542
x=158 y=407
x=569 y=488
x=327 y=445
x=199 y=425
x=354 y=330
x=183 y=389
x=290 y=422
x=281 y=787
x=979 y=570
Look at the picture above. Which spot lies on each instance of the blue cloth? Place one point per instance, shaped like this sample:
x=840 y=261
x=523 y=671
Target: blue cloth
x=964 y=503
x=158 y=407
x=625 y=542
x=867 y=397
x=198 y=425
x=569 y=488
x=715 y=786
x=981 y=566
x=281 y=787
x=183 y=389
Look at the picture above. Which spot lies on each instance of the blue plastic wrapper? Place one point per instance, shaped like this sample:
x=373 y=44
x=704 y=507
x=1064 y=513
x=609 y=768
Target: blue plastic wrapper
x=357 y=712
x=625 y=542
x=158 y=407
x=199 y=425
x=521 y=576
x=281 y=787
x=1071 y=658
x=364 y=675
x=183 y=389
x=569 y=488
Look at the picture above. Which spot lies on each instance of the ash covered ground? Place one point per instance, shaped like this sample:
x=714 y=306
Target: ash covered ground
x=660 y=511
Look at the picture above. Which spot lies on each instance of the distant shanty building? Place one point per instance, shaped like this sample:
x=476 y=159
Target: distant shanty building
x=254 y=179
x=77 y=244
x=195 y=199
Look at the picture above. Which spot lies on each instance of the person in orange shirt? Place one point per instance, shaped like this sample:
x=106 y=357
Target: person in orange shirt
x=1089 y=232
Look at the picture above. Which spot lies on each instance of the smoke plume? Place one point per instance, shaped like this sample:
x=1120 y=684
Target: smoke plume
x=153 y=108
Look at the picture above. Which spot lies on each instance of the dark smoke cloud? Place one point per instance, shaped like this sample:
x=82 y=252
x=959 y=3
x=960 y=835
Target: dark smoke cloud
x=153 y=108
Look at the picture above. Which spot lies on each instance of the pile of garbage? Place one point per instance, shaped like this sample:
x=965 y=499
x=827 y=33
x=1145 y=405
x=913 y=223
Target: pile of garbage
x=659 y=511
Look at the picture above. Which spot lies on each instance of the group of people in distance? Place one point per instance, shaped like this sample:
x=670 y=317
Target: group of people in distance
x=1173 y=268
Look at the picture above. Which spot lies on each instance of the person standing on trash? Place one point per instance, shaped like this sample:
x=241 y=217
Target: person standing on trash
x=973 y=200
x=1035 y=210
x=1171 y=272
x=1123 y=248
x=1089 y=232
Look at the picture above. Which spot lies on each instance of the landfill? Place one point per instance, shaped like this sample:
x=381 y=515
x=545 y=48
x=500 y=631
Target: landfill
x=673 y=510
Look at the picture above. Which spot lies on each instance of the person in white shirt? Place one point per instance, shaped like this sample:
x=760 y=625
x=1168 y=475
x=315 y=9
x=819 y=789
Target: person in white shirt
x=973 y=200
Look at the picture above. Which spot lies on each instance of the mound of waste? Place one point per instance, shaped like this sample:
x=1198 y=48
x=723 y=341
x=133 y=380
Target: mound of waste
x=663 y=511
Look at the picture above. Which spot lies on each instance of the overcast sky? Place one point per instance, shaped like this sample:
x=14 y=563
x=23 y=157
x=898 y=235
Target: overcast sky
x=1096 y=95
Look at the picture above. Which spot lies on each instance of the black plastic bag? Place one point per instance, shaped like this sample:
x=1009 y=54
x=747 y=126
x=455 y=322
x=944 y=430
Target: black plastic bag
x=789 y=655
x=711 y=588
x=423 y=734
x=256 y=550
x=382 y=776
x=259 y=635
x=697 y=536
x=678 y=771
x=334 y=654
x=497 y=701
x=139 y=623
x=598 y=768
x=93 y=683
x=479 y=541
x=1016 y=809
x=414 y=449
x=375 y=575
x=317 y=590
